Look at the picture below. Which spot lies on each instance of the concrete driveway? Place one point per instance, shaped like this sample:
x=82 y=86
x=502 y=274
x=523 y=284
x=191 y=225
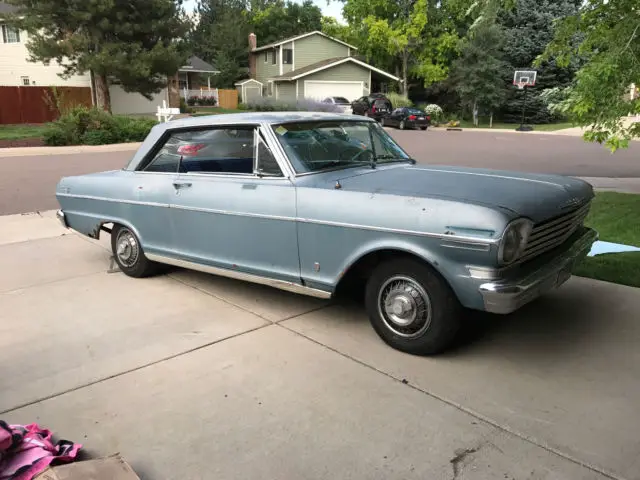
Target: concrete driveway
x=198 y=377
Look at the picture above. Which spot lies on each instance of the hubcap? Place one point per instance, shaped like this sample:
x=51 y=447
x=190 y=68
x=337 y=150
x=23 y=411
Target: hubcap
x=127 y=249
x=404 y=306
x=402 y=125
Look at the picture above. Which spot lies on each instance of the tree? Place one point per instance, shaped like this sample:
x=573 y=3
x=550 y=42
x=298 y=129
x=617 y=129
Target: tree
x=607 y=33
x=133 y=44
x=280 y=20
x=477 y=73
x=221 y=38
x=528 y=28
x=395 y=28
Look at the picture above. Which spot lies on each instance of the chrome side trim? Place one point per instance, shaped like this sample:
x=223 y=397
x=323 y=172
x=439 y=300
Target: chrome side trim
x=113 y=200
x=475 y=242
x=234 y=214
x=448 y=238
x=247 y=277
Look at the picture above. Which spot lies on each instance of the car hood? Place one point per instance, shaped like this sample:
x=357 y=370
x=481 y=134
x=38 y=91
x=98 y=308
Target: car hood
x=537 y=197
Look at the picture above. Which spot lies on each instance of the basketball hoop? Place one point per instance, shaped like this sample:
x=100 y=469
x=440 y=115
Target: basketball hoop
x=523 y=79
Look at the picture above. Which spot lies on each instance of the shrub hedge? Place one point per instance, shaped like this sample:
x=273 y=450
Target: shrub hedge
x=92 y=126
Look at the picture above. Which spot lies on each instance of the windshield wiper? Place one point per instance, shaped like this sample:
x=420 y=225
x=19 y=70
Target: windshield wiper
x=393 y=158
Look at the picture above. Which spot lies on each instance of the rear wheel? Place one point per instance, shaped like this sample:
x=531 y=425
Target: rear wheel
x=383 y=122
x=129 y=255
x=412 y=308
x=423 y=128
x=402 y=125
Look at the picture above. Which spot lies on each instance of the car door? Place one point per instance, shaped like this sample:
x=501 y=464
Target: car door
x=394 y=118
x=233 y=207
x=149 y=192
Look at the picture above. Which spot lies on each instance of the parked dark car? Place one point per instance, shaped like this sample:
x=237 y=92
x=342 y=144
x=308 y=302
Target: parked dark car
x=375 y=105
x=407 y=117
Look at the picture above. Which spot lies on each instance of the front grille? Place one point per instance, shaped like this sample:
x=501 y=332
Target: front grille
x=552 y=233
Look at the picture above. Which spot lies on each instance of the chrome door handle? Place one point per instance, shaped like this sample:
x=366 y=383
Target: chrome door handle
x=179 y=185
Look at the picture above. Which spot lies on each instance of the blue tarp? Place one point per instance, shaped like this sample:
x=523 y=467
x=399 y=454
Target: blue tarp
x=599 y=248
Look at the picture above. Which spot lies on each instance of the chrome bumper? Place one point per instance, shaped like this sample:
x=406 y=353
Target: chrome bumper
x=509 y=294
x=61 y=218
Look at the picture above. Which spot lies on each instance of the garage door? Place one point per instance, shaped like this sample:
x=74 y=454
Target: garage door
x=252 y=92
x=319 y=90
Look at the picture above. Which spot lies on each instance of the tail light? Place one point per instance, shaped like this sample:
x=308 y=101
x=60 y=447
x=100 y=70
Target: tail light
x=191 y=149
x=412 y=117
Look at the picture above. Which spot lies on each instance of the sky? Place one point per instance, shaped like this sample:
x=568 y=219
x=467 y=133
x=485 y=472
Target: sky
x=332 y=9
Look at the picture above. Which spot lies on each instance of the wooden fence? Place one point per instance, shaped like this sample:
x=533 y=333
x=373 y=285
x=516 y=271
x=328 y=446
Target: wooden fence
x=228 y=99
x=39 y=104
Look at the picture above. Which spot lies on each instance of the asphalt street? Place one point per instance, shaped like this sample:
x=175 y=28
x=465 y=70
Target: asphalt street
x=27 y=183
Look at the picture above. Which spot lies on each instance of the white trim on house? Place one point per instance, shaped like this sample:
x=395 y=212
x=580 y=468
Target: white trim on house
x=242 y=82
x=340 y=62
x=281 y=68
x=304 y=35
x=293 y=56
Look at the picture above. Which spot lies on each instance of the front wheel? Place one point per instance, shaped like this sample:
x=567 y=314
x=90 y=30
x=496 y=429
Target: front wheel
x=412 y=308
x=129 y=255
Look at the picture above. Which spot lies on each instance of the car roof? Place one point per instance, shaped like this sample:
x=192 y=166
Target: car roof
x=244 y=118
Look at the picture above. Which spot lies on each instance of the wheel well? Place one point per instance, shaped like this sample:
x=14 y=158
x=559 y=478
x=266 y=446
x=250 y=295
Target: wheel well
x=355 y=278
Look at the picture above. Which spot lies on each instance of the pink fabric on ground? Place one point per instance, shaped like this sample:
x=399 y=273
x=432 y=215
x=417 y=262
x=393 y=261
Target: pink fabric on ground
x=27 y=450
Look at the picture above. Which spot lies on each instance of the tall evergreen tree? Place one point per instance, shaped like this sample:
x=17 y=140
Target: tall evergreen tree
x=528 y=29
x=135 y=44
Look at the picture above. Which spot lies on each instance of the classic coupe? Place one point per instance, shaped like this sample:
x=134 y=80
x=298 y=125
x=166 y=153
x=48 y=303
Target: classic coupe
x=319 y=203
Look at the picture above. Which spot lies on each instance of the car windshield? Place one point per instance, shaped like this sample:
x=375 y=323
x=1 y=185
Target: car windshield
x=414 y=111
x=340 y=100
x=317 y=146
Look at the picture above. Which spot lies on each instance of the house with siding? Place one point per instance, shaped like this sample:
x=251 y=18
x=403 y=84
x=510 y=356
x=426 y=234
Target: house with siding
x=313 y=66
x=17 y=71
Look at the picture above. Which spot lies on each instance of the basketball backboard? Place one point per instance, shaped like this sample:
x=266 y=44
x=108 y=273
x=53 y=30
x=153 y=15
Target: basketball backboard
x=524 y=78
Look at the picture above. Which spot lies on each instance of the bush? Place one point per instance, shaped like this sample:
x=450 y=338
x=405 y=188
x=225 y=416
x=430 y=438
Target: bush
x=267 y=104
x=399 y=101
x=205 y=101
x=184 y=108
x=434 y=111
x=92 y=126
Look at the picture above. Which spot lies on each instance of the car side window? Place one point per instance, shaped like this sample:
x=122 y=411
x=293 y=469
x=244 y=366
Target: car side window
x=225 y=150
x=267 y=164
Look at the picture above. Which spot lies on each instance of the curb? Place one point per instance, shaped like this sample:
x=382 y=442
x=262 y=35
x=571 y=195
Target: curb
x=40 y=151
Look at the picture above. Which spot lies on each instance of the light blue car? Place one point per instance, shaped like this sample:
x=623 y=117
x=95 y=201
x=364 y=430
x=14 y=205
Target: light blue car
x=318 y=203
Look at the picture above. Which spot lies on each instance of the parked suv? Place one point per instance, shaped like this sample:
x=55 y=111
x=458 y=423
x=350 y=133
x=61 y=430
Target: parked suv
x=375 y=105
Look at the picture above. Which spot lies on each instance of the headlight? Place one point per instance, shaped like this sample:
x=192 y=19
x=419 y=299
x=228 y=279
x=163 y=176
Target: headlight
x=514 y=240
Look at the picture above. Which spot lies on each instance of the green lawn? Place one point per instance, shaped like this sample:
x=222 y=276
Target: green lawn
x=616 y=217
x=18 y=132
x=549 y=127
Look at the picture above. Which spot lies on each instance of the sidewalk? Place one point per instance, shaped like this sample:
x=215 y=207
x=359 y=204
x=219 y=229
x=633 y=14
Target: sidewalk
x=40 y=151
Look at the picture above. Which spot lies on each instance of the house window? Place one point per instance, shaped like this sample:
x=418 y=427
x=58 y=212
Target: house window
x=10 y=34
x=274 y=57
x=266 y=56
x=287 y=56
x=25 y=81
